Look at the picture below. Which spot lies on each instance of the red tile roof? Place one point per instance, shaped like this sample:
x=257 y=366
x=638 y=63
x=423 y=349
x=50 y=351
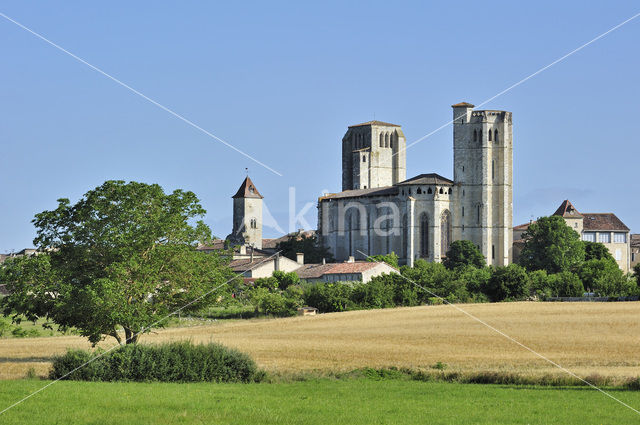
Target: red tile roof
x=316 y=271
x=247 y=190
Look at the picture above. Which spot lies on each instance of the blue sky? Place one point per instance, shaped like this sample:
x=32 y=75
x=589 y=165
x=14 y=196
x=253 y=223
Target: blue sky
x=282 y=81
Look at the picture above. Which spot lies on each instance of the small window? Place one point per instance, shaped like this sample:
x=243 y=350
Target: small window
x=381 y=140
x=495 y=135
x=429 y=191
x=463 y=168
x=604 y=237
x=493 y=167
x=450 y=191
x=480 y=136
x=463 y=211
x=489 y=135
x=618 y=254
x=441 y=191
x=589 y=236
x=364 y=159
x=419 y=191
x=475 y=135
x=493 y=248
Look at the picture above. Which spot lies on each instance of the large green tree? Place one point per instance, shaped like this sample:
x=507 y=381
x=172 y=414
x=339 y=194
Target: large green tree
x=464 y=253
x=122 y=257
x=313 y=251
x=596 y=251
x=551 y=245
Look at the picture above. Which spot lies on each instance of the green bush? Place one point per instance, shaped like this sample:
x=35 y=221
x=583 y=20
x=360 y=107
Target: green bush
x=375 y=294
x=508 y=283
x=566 y=284
x=329 y=297
x=173 y=362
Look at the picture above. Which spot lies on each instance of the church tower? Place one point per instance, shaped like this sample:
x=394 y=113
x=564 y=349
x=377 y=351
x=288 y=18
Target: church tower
x=247 y=216
x=483 y=175
x=373 y=155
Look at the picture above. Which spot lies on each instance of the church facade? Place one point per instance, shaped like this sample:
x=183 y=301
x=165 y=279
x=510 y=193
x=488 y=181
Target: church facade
x=380 y=211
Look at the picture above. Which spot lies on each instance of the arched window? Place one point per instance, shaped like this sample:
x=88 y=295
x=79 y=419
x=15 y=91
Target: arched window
x=445 y=232
x=441 y=191
x=386 y=140
x=391 y=139
x=450 y=191
x=475 y=135
x=429 y=191
x=419 y=191
x=424 y=235
x=364 y=159
x=493 y=168
x=495 y=135
x=381 y=140
x=489 y=135
x=480 y=135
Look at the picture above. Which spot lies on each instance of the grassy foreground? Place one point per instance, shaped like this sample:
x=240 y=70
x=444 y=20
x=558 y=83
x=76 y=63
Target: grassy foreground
x=358 y=401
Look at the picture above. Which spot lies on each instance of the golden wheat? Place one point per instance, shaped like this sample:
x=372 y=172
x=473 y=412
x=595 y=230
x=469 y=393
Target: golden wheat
x=586 y=338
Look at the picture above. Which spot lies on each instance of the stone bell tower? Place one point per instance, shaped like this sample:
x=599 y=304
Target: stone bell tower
x=483 y=175
x=247 y=216
x=373 y=155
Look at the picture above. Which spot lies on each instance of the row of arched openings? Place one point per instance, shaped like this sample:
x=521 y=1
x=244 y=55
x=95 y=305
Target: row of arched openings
x=429 y=191
x=492 y=135
x=386 y=140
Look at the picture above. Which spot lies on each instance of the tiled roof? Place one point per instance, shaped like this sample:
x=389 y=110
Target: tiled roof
x=462 y=104
x=635 y=240
x=315 y=271
x=384 y=124
x=247 y=190
x=376 y=191
x=567 y=210
x=244 y=264
x=602 y=221
x=216 y=245
x=524 y=226
x=431 y=178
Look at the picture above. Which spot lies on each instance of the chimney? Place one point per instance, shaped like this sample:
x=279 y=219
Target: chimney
x=351 y=259
x=276 y=264
x=300 y=258
x=251 y=254
x=243 y=250
x=324 y=260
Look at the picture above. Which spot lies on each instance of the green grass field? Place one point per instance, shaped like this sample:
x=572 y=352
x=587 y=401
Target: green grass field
x=355 y=401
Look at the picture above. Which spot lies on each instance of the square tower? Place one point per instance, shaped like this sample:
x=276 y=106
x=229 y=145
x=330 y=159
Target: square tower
x=483 y=174
x=247 y=216
x=373 y=155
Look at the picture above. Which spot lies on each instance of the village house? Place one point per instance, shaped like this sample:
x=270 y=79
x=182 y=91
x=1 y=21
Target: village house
x=605 y=228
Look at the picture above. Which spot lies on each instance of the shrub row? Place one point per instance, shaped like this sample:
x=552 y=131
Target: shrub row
x=173 y=362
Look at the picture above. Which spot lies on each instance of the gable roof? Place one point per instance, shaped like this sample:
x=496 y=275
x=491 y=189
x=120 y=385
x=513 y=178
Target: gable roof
x=316 y=271
x=431 y=178
x=374 y=122
x=247 y=190
x=567 y=210
x=603 y=221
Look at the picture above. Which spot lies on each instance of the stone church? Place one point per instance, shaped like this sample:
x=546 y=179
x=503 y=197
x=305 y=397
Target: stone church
x=379 y=210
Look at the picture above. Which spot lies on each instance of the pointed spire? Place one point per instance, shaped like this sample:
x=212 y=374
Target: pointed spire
x=247 y=190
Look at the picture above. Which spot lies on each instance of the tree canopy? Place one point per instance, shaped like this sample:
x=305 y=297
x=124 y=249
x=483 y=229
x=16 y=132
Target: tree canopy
x=551 y=245
x=464 y=253
x=123 y=257
x=596 y=251
x=313 y=251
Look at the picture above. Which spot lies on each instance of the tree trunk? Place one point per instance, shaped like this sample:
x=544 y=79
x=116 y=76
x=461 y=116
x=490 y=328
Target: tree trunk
x=131 y=336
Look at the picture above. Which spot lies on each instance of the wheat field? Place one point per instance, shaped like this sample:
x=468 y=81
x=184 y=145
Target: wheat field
x=586 y=338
